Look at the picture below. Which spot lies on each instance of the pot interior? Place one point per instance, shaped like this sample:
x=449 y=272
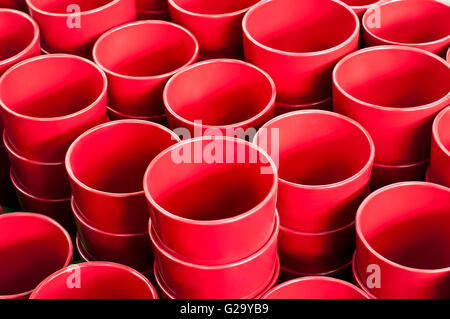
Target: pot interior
x=16 y=34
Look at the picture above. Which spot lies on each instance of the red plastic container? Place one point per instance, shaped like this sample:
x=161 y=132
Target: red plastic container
x=71 y=29
x=43 y=117
x=138 y=71
x=106 y=178
x=282 y=108
x=244 y=279
x=316 y=288
x=396 y=101
x=116 y=116
x=403 y=230
x=97 y=280
x=357 y=281
x=152 y=5
x=46 y=180
x=13 y=4
x=424 y=24
x=32 y=246
x=325 y=161
x=440 y=149
x=223 y=102
x=301 y=69
x=212 y=210
x=19 y=37
x=153 y=15
x=361 y=6
x=217 y=25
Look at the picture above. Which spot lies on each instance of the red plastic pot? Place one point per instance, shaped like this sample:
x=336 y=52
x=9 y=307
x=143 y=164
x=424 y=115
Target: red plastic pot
x=32 y=246
x=64 y=29
x=380 y=98
x=116 y=116
x=361 y=6
x=325 y=161
x=343 y=272
x=46 y=180
x=106 y=178
x=357 y=281
x=316 y=288
x=423 y=24
x=328 y=30
x=403 y=239
x=13 y=4
x=244 y=279
x=43 y=117
x=217 y=25
x=138 y=71
x=282 y=108
x=212 y=210
x=440 y=149
x=152 y=5
x=153 y=15
x=97 y=280
x=230 y=97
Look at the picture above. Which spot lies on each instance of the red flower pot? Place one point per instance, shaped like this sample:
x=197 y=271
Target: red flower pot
x=106 y=178
x=153 y=15
x=138 y=71
x=423 y=24
x=212 y=210
x=230 y=97
x=325 y=160
x=73 y=28
x=357 y=281
x=282 y=108
x=361 y=6
x=301 y=69
x=116 y=116
x=403 y=240
x=43 y=117
x=96 y=280
x=440 y=149
x=381 y=98
x=32 y=246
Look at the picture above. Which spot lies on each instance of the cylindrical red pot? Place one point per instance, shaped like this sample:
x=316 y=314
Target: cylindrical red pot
x=316 y=288
x=106 y=165
x=440 y=149
x=43 y=116
x=282 y=108
x=153 y=15
x=13 y=4
x=423 y=24
x=138 y=71
x=246 y=278
x=217 y=25
x=344 y=272
x=325 y=161
x=396 y=101
x=357 y=281
x=95 y=280
x=212 y=209
x=74 y=27
x=301 y=69
x=45 y=180
x=116 y=116
x=403 y=239
x=230 y=97
x=361 y=6
x=32 y=246
x=152 y=5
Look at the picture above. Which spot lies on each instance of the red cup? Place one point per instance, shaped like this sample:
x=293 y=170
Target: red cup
x=282 y=108
x=244 y=279
x=440 y=149
x=106 y=178
x=361 y=6
x=343 y=272
x=423 y=24
x=45 y=180
x=152 y=5
x=96 y=280
x=116 y=116
x=43 y=117
x=7 y=192
x=153 y=15
x=328 y=30
x=325 y=161
x=217 y=25
x=73 y=28
x=13 y=4
x=230 y=97
x=138 y=71
x=403 y=239
x=357 y=281
x=212 y=209
x=19 y=37
x=32 y=246
x=380 y=98
x=316 y=288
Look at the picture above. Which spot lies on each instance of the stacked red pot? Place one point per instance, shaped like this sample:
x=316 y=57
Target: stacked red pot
x=325 y=161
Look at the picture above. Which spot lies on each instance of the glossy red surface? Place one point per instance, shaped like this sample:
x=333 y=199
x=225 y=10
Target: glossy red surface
x=440 y=149
x=117 y=116
x=282 y=108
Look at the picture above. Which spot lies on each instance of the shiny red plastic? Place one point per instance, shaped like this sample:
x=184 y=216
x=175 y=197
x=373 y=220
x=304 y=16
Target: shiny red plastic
x=383 y=175
x=440 y=149
x=361 y=6
x=153 y=15
x=343 y=272
x=282 y=108
x=13 y=4
x=357 y=281
x=152 y=5
x=116 y=116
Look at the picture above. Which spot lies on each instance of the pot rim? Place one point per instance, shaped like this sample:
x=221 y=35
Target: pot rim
x=210 y=16
x=436 y=135
x=32 y=7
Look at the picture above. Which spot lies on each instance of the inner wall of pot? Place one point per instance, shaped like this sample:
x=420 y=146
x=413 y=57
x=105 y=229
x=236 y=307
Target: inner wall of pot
x=360 y=3
x=30 y=250
x=214 y=7
x=65 y=86
x=301 y=26
x=210 y=180
x=401 y=78
x=63 y=6
x=409 y=225
x=411 y=21
x=219 y=93
x=114 y=158
x=16 y=34
x=443 y=129
x=145 y=49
